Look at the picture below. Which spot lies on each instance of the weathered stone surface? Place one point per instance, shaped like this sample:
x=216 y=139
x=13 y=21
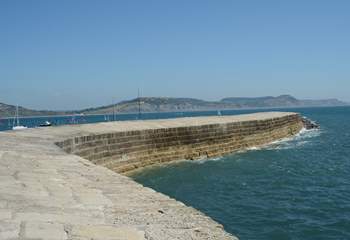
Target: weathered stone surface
x=47 y=193
x=45 y=230
x=107 y=233
x=9 y=229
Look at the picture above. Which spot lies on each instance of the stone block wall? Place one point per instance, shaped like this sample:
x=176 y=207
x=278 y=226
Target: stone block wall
x=125 y=151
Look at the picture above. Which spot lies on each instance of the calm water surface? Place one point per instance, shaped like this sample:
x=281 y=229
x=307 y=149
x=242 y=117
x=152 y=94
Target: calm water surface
x=296 y=189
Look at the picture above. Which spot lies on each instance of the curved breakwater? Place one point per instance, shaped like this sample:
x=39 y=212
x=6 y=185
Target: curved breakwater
x=126 y=151
x=47 y=192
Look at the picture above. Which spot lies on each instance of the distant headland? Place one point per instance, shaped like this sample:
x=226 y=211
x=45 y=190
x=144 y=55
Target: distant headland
x=166 y=104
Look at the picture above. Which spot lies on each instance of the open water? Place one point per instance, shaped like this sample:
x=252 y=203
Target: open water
x=297 y=188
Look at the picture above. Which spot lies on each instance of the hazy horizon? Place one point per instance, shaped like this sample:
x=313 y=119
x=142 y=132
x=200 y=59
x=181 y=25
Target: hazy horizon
x=67 y=55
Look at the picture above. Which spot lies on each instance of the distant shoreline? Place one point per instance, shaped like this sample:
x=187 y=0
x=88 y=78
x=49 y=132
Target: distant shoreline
x=197 y=110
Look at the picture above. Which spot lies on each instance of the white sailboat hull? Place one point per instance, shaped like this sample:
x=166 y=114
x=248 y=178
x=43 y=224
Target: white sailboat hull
x=19 y=128
x=16 y=125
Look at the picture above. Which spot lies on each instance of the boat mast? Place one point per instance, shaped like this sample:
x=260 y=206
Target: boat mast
x=17 y=115
x=113 y=109
x=16 y=119
x=116 y=111
x=139 y=102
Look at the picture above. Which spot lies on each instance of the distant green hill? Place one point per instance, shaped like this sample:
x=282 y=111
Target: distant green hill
x=9 y=111
x=165 y=104
x=281 y=101
x=160 y=104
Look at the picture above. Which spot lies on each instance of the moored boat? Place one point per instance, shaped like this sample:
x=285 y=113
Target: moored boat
x=46 y=124
x=16 y=125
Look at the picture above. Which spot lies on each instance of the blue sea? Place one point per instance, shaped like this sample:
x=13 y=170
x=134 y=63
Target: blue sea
x=297 y=188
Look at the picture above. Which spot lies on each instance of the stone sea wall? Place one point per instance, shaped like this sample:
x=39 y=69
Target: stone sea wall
x=50 y=193
x=128 y=150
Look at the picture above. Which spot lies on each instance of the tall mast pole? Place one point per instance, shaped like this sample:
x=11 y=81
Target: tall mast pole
x=17 y=115
x=14 y=118
x=139 y=102
x=113 y=109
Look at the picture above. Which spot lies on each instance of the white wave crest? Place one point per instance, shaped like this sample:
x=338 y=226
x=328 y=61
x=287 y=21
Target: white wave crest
x=204 y=160
x=300 y=139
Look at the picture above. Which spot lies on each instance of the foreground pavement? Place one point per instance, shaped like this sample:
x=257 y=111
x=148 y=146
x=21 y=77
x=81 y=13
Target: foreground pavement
x=46 y=193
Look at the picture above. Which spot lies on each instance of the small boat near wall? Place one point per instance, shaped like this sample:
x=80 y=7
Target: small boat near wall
x=46 y=124
x=16 y=125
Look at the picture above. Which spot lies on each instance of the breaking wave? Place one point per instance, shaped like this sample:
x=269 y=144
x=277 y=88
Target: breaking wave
x=302 y=138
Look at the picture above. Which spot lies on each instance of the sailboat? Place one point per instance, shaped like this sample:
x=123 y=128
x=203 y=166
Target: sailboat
x=46 y=124
x=16 y=125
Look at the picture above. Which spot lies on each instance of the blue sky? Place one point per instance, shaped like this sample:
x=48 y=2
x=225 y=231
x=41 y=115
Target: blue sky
x=76 y=54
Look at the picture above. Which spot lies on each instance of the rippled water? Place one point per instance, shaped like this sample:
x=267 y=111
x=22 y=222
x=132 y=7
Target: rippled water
x=293 y=189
